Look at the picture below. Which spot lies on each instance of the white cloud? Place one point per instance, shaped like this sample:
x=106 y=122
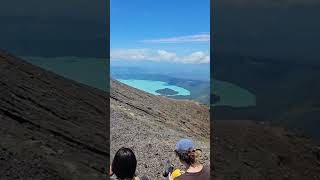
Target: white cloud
x=159 y=55
x=197 y=57
x=202 y=37
x=132 y=54
x=165 y=55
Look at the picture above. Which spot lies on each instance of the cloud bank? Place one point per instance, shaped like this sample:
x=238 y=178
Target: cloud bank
x=198 y=57
x=203 y=37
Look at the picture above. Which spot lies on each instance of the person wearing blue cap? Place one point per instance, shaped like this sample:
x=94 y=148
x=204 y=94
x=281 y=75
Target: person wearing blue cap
x=189 y=156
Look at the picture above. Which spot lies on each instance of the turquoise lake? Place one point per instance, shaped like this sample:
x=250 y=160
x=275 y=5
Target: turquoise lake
x=92 y=71
x=153 y=86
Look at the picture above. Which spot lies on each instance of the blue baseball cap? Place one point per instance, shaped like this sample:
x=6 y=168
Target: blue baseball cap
x=183 y=145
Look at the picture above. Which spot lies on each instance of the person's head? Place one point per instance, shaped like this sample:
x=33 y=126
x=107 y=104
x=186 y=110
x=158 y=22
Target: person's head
x=124 y=163
x=187 y=153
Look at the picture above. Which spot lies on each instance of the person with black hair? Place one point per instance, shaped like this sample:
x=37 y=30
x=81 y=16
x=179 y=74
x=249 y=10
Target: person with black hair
x=189 y=157
x=124 y=166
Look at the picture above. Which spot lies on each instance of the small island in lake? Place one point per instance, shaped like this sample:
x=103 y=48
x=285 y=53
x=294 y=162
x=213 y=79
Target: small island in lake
x=166 y=92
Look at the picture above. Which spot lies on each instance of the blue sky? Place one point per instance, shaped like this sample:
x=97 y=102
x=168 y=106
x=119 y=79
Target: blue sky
x=166 y=30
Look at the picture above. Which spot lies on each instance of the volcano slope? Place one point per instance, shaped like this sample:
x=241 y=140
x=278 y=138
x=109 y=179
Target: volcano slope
x=151 y=125
x=247 y=150
x=50 y=127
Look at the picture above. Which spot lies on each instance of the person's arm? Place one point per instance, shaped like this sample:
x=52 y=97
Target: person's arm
x=169 y=176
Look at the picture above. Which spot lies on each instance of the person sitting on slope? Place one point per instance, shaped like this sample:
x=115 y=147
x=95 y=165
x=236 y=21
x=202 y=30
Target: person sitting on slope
x=124 y=166
x=189 y=157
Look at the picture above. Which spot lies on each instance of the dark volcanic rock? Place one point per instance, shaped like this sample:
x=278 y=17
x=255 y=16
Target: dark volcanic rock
x=166 y=92
x=50 y=127
x=249 y=150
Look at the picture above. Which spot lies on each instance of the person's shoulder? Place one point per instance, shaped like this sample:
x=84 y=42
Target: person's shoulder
x=204 y=172
x=180 y=177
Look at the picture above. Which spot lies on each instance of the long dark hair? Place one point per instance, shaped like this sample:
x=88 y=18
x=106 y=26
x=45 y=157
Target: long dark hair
x=124 y=163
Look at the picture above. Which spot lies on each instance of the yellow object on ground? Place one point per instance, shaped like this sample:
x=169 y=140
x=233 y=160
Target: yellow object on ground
x=176 y=173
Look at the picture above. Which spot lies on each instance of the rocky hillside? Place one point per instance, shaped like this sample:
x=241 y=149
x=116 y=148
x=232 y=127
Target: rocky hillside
x=247 y=150
x=50 y=127
x=151 y=125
